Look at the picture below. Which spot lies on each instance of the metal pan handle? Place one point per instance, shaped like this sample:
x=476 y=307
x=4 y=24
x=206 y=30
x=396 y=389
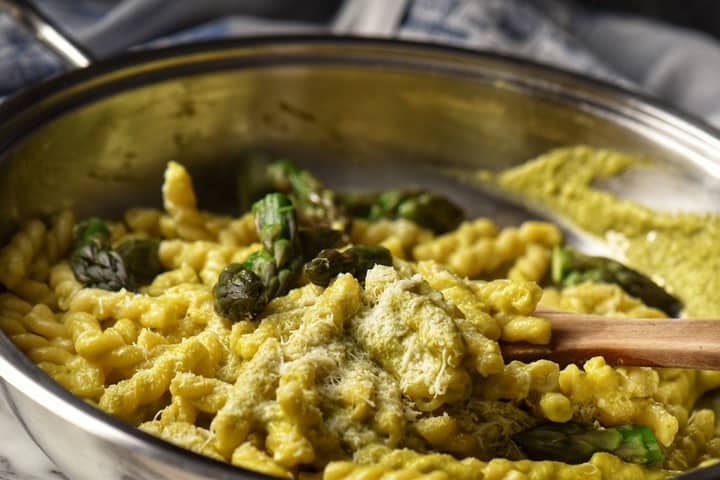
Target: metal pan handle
x=48 y=32
x=120 y=28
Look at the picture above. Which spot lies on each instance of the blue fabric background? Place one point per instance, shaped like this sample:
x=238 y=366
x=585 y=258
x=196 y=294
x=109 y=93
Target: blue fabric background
x=677 y=66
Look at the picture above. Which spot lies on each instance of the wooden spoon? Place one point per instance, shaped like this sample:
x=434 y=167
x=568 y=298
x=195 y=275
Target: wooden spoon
x=648 y=342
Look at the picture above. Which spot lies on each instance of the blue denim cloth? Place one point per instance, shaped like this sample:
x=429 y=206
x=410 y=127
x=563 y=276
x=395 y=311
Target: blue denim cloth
x=678 y=66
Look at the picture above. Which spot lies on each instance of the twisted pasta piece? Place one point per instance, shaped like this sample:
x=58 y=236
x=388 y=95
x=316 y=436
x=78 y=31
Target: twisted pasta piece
x=207 y=259
x=536 y=383
x=479 y=329
x=37 y=332
x=477 y=248
x=169 y=279
x=239 y=232
x=39 y=268
x=200 y=354
x=184 y=434
x=511 y=303
x=34 y=327
x=598 y=299
x=181 y=204
x=144 y=220
x=59 y=237
x=12 y=311
x=691 y=443
x=255 y=385
x=378 y=461
x=250 y=457
x=16 y=257
x=532 y=265
x=176 y=253
x=41 y=320
x=400 y=232
x=91 y=341
x=480 y=429
x=215 y=261
x=608 y=395
x=205 y=394
x=64 y=284
x=151 y=312
x=81 y=377
x=35 y=292
x=468 y=233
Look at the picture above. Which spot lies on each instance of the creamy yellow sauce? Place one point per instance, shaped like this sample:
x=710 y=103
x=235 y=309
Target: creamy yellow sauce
x=681 y=250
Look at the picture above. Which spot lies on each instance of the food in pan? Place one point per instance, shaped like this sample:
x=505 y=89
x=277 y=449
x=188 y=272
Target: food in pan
x=326 y=334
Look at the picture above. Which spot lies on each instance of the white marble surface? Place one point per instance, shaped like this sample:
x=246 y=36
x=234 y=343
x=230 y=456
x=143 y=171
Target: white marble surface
x=20 y=458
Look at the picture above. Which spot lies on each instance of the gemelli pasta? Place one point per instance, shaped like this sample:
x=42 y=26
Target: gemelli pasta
x=390 y=371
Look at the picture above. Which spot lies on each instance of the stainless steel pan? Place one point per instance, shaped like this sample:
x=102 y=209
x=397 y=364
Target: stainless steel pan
x=365 y=112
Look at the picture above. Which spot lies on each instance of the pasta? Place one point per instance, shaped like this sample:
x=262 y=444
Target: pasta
x=395 y=375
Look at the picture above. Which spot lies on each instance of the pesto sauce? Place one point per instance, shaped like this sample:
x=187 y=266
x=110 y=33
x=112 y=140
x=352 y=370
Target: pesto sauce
x=679 y=250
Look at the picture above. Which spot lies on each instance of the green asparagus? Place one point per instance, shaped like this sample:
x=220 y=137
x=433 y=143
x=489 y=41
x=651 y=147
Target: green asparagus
x=573 y=443
x=92 y=230
x=276 y=226
x=570 y=267
x=244 y=289
x=99 y=267
x=317 y=206
x=425 y=208
x=239 y=293
x=141 y=259
x=93 y=262
x=356 y=260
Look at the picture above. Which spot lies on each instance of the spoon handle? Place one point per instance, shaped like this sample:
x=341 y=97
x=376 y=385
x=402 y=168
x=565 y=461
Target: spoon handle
x=651 y=342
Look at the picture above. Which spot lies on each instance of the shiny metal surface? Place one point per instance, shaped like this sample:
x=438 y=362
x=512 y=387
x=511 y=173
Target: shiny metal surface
x=361 y=112
x=47 y=32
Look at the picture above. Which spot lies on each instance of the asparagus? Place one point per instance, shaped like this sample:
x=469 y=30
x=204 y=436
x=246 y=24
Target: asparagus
x=356 y=260
x=317 y=206
x=98 y=267
x=244 y=289
x=92 y=230
x=277 y=280
x=573 y=443
x=141 y=259
x=239 y=293
x=276 y=226
x=93 y=262
x=570 y=267
x=427 y=209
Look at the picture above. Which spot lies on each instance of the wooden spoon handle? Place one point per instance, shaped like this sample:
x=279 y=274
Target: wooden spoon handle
x=684 y=343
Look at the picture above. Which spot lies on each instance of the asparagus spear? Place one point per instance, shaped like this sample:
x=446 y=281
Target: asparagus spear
x=425 y=208
x=356 y=260
x=573 y=443
x=239 y=293
x=570 y=267
x=93 y=262
x=317 y=206
x=92 y=230
x=141 y=259
x=96 y=264
x=99 y=267
x=276 y=226
x=244 y=289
